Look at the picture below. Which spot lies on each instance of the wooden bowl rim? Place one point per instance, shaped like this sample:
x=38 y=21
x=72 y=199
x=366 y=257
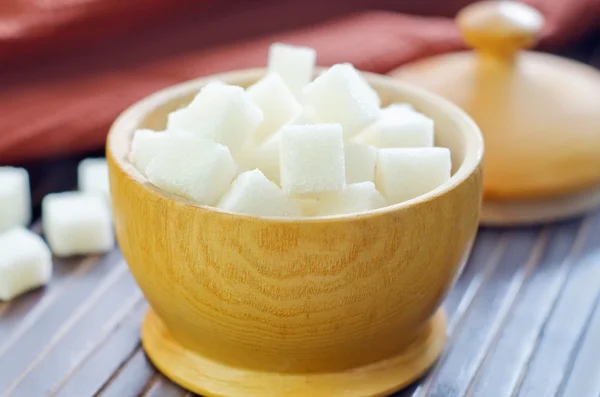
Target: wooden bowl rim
x=128 y=121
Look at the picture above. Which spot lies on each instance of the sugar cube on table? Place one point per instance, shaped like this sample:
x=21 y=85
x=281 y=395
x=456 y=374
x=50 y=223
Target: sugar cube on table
x=192 y=167
x=15 y=198
x=360 y=162
x=221 y=112
x=355 y=198
x=342 y=95
x=406 y=129
x=25 y=262
x=405 y=173
x=277 y=102
x=252 y=193
x=266 y=157
x=77 y=223
x=312 y=159
x=92 y=177
x=294 y=64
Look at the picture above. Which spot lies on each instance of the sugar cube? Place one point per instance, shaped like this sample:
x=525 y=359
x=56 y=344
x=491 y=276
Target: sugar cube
x=266 y=157
x=77 y=223
x=92 y=177
x=15 y=198
x=277 y=102
x=404 y=129
x=308 y=206
x=355 y=198
x=360 y=162
x=221 y=112
x=396 y=109
x=244 y=158
x=295 y=64
x=308 y=115
x=342 y=95
x=25 y=262
x=184 y=119
x=192 y=167
x=312 y=159
x=252 y=193
x=144 y=146
x=403 y=174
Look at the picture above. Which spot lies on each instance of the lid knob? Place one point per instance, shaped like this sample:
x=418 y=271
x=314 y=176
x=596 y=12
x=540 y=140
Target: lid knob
x=500 y=28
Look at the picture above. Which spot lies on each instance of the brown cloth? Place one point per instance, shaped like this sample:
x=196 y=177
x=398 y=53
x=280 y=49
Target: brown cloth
x=69 y=67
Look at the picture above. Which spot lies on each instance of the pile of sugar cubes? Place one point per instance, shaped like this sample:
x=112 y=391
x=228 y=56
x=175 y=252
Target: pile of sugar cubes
x=291 y=146
x=74 y=223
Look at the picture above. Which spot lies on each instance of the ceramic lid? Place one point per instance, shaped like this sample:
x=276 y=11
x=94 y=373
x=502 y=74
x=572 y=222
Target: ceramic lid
x=539 y=113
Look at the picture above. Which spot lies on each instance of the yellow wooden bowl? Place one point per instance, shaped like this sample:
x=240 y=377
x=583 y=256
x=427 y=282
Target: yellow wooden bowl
x=343 y=306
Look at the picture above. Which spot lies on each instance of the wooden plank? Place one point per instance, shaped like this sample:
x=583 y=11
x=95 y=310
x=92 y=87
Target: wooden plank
x=107 y=357
x=584 y=379
x=484 y=317
x=39 y=326
x=13 y=312
x=132 y=378
x=80 y=334
x=558 y=340
x=504 y=362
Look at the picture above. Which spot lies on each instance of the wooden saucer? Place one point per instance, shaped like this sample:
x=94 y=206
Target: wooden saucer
x=527 y=212
x=213 y=379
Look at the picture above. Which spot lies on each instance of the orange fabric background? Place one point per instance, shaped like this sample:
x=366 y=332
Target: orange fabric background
x=69 y=67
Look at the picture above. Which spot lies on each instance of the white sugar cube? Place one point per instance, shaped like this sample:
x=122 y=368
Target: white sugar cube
x=396 y=109
x=92 y=177
x=277 y=102
x=221 y=112
x=312 y=159
x=295 y=65
x=402 y=129
x=25 y=262
x=185 y=119
x=266 y=157
x=192 y=167
x=15 y=198
x=144 y=146
x=400 y=117
x=77 y=223
x=360 y=162
x=403 y=174
x=308 y=115
x=244 y=158
x=355 y=198
x=342 y=95
x=252 y=193
x=308 y=206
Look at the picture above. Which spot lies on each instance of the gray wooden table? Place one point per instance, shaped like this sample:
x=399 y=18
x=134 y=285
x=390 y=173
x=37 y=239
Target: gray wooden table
x=524 y=317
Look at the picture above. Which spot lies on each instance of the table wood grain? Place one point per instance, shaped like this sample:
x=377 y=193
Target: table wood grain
x=524 y=317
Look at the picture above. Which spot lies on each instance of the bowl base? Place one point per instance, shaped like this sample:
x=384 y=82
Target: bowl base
x=525 y=212
x=214 y=379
